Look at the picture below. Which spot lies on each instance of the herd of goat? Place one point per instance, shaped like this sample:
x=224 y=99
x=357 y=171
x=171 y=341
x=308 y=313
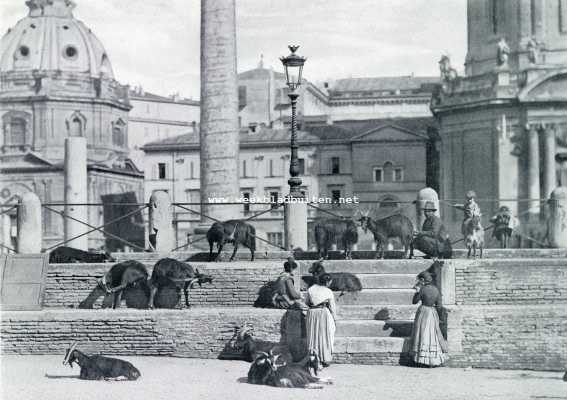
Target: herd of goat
x=271 y=364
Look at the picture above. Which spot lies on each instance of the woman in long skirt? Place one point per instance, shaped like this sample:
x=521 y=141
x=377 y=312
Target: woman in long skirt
x=320 y=320
x=428 y=346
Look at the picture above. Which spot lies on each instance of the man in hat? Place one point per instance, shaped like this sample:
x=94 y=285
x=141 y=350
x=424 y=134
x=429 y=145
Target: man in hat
x=433 y=239
x=470 y=208
x=285 y=295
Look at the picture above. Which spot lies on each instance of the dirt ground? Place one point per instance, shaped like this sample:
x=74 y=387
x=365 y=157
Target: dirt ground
x=44 y=377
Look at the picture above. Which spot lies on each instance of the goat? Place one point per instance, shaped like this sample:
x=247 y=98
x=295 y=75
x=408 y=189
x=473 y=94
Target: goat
x=432 y=247
x=266 y=371
x=121 y=276
x=341 y=232
x=382 y=229
x=474 y=235
x=67 y=255
x=340 y=281
x=98 y=367
x=232 y=231
x=168 y=271
x=503 y=222
x=243 y=341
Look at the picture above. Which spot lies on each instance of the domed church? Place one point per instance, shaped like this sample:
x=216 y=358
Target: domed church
x=56 y=81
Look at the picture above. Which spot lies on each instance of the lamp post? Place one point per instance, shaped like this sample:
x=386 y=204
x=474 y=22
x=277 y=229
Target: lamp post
x=293 y=65
x=295 y=209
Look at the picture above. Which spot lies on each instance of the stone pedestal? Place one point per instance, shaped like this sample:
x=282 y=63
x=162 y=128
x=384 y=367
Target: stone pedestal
x=29 y=224
x=76 y=192
x=294 y=333
x=423 y=196
x=295 y=223
x=162 y=236
x=557 y=219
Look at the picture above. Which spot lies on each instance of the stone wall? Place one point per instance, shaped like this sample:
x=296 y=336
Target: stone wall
x=198 y=333
x=512 y=281
x=508 y=337
x=234 y=284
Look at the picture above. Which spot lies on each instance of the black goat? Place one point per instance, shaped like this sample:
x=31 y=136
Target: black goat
x=67 y=255
x=382 y=229
x=340 y=281
x=266 y=371
x=122 y=276
x=168 y=271
x=250 y=348
x=98 y=367
x=432 y=247
x=342 y=232
x=232 y=231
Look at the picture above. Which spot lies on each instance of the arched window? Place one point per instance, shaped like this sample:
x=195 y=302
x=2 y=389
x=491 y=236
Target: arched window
x=76 y=128
x=76 y=124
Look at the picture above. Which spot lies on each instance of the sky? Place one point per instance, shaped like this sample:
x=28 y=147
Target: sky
x=155 y=43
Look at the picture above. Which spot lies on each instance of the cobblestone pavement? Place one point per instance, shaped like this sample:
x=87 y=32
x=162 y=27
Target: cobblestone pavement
x=44 y=377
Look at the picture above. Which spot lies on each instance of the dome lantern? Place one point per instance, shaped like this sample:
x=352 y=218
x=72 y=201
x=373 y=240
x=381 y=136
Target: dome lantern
x=55 y=8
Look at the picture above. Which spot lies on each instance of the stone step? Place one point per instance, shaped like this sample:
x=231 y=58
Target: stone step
x=387 y=281
x=375 y=281
x=377 y=312
x=373 y=266
x=369 y=328
x=371 y=344
x=376 y=296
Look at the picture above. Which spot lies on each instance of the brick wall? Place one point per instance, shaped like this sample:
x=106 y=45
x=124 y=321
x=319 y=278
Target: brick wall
x=508 y=337
x=198 y=333
x=234 y=284
x=512 y=281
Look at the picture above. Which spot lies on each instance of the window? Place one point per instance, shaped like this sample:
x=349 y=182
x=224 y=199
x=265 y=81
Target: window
x=76 y=128
x=335 y=165
x=70 y=52
x=17 y=131
x=246 y=198
x=389 y=202
x=301 y=165
x=276 y=238
x=243 y=171
x=191 y=170
x=398 y=175
x=161 y=171
x=274 y=199
x=271 y=168
x=336 y=196
x=378 y=175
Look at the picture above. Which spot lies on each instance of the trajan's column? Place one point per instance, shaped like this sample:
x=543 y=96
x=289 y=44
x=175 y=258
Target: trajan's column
x=219 y=108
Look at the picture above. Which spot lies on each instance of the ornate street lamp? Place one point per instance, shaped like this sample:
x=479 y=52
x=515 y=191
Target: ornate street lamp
x=293 y=65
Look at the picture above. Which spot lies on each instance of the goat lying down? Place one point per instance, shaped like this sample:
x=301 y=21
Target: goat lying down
x=265 y=370
x=340 y=281
x=98 y=367
x=67 y=255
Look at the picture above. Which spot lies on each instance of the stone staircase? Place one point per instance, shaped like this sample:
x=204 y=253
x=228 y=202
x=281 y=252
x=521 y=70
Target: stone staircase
x=374 y=324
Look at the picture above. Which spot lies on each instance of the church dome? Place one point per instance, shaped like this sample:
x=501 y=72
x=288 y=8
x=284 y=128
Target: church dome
x=51 y=39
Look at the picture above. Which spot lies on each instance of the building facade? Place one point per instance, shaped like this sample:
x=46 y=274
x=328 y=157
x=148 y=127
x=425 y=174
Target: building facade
x=503 y=125
x=57 y=82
